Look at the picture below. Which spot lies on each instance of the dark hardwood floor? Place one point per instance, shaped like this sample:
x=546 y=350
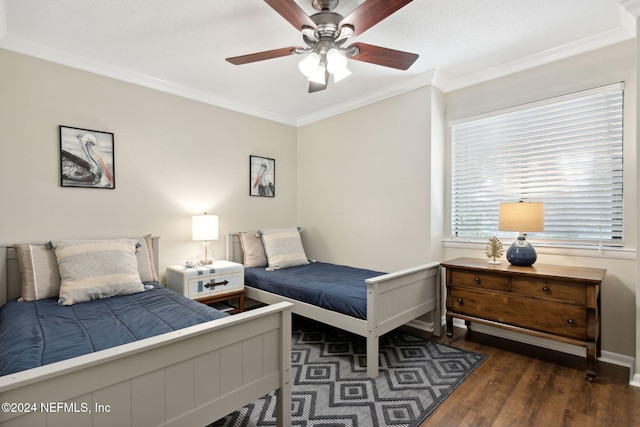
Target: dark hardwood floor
x=523 y=385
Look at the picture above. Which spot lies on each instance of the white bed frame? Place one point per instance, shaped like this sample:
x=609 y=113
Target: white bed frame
x=190 y=377
x=392 y=300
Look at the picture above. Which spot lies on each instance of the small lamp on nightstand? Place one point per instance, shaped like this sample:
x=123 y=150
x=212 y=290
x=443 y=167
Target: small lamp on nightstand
x=521 y=217
x=205 y=228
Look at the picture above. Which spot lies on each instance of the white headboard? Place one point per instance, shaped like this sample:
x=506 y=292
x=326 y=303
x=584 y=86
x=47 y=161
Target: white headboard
x=234 y=248
x=10 y=282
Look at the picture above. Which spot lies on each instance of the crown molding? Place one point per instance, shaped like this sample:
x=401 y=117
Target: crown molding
x=22 y=46
x=421 y=80
x=631 y=6
x=568 y=50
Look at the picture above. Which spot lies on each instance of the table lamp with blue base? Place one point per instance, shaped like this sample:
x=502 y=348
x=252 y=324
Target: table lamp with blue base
x=521 y=217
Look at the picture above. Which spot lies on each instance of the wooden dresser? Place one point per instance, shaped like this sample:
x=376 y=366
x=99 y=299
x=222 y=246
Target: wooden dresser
x=550 y=301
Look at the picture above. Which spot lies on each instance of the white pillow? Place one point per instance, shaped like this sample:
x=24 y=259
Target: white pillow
x=283 y=248
x=95 y=269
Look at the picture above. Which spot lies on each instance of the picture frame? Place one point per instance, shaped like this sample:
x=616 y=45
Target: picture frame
x=262 y=176
x=86 y=158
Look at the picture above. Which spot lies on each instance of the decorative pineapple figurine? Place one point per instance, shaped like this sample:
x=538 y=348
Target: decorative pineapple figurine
x=494 y=250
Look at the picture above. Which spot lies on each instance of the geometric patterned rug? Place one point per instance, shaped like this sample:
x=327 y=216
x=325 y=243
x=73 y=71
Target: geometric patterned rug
x=331 y=387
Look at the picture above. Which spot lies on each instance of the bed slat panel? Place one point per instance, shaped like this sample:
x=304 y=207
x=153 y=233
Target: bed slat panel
x=27 y=420
x=252 y=360
x=147 y=399
x=232 y=377
x=207 y=386
x=180 y=388
x=270 y=361
x=118 y=397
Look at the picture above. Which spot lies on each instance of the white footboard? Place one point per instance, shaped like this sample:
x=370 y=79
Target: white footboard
x=189 y=377
x=396 y=298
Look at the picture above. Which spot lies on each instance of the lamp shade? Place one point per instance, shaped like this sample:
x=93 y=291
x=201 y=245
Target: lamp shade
x=204 y=227
x=521 y=216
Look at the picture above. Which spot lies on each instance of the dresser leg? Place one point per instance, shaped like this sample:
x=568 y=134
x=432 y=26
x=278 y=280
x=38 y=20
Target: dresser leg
x=449 y=318
x=591 y=360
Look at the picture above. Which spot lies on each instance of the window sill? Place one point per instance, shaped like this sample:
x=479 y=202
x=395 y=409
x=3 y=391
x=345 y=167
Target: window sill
x=581 y=251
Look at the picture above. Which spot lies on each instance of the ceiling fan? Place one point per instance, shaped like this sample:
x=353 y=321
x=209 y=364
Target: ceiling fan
x=325 y=34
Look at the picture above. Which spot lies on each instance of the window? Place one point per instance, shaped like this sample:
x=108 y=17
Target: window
x=565 y=152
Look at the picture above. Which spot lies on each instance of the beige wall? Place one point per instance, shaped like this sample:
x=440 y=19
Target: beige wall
x=173 y=158
x=601 y=67
x=364 y=184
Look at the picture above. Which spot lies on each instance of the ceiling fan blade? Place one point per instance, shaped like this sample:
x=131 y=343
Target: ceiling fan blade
x=293 y=13
x=384 y=56
x=371 y=12
x=261 y=56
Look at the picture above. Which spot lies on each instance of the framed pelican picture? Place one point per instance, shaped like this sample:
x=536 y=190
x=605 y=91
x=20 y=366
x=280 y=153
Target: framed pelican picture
x=262 y=176
x=86 y=158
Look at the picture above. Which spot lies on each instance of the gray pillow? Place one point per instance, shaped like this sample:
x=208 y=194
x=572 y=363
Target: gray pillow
x=144 y=256
x=253 y=250
x=95 y=269
x=39 y=272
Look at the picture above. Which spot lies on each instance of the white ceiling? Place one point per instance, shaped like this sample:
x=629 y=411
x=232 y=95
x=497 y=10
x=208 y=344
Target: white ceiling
x=180 y=46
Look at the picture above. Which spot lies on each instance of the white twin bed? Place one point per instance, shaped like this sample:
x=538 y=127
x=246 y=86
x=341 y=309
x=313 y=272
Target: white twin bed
x=392 y=300
x=188 y=377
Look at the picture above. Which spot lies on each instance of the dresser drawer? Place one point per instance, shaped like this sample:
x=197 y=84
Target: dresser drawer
x=206 y=286
x=478 y=279
x=545 y=316
x=560 y=290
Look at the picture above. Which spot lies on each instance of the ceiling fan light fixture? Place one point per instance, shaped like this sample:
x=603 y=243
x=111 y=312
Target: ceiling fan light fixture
x=319 y=75
x=309 y=64
x=337 y=65
x=335 y=60
x=341 y=74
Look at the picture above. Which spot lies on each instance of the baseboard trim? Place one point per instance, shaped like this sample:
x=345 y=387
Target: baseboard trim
x=420 y=325
x=605 y=356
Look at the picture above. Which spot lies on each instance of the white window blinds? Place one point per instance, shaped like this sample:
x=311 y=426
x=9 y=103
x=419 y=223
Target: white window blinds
x=565 y=152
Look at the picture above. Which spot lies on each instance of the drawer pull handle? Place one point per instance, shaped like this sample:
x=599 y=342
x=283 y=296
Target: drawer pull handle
x=546 y=289
x=570 y=321
x=214 y=284
x=460 y=302
x=477 y=280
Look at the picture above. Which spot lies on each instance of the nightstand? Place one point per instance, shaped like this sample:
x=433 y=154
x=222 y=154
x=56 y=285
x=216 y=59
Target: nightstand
x=221 y=281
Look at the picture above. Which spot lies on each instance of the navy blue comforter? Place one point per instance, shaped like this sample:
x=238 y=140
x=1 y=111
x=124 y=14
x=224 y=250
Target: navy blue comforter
x=334 y=287
x=42 y=332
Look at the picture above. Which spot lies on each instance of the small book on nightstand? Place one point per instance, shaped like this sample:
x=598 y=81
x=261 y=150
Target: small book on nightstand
x=221 y=306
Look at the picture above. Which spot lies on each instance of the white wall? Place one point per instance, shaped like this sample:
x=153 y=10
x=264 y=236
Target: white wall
x=365 y=184
x=173 y=158
x=608 y=65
